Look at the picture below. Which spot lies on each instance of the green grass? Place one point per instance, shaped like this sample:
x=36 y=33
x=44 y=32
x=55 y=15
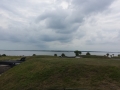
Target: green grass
x=93 y=56
x=52 y=73
x=10 y=58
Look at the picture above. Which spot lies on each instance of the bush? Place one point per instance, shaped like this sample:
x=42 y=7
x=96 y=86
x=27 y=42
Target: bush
x=118 y=55
x=34 y=54
x=77 y=52
x=63 y=55
x=88 y=53
x=3 y=54
x=55 y=55
x=107 y=54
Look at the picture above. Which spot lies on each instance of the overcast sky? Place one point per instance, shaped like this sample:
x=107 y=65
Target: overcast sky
x=60 y=25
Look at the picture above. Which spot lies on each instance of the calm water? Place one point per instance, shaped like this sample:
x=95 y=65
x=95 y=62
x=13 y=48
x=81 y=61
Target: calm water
x=67 y=53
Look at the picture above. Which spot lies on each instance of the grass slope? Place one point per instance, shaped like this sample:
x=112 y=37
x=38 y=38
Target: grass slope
x=52 y=73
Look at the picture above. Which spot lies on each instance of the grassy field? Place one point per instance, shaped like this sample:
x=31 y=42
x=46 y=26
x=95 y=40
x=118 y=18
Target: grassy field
x=54 y=73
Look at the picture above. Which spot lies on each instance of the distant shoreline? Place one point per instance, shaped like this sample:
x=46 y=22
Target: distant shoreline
x=52 y=52
x=63 y=51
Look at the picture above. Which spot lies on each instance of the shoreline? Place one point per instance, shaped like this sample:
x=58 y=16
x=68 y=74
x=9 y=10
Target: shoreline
x=47 y=52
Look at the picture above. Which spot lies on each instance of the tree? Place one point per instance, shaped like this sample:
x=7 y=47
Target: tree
x=34 y=54
x=77 y=52
x=55 y=55
x=87 y=53
x=63 y=55
x=118 y=55
x=107 y=54
x=3 y=54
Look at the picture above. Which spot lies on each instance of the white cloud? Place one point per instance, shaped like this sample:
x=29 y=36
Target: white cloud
x=64 y=5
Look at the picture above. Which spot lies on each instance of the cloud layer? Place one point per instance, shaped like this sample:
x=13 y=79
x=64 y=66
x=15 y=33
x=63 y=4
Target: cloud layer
x=60 y=24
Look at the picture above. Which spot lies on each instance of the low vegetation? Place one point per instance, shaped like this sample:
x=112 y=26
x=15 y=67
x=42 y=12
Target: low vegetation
x=62 y=55
x=93 y=56
x=3 y=54
x=55 y=55
x=52 y=73
x=10 y=58
x=77 y=53
x=34 y=55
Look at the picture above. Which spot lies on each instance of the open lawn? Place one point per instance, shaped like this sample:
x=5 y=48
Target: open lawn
x=55 y=73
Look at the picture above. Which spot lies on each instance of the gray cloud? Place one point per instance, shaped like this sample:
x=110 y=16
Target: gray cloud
x=61 y=38
x=60 y=21
x=88 y=6
x=44 y=23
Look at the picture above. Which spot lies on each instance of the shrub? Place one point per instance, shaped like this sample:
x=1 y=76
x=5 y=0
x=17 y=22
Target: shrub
x=3 y=54
x=63 y=55
x=55 y=54
x=118 y=55
x=77 y=52
x=88 y=53
x=107 y=54
x=34 y=54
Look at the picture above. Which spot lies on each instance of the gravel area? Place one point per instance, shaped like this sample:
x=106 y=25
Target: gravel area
x=4 y=68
